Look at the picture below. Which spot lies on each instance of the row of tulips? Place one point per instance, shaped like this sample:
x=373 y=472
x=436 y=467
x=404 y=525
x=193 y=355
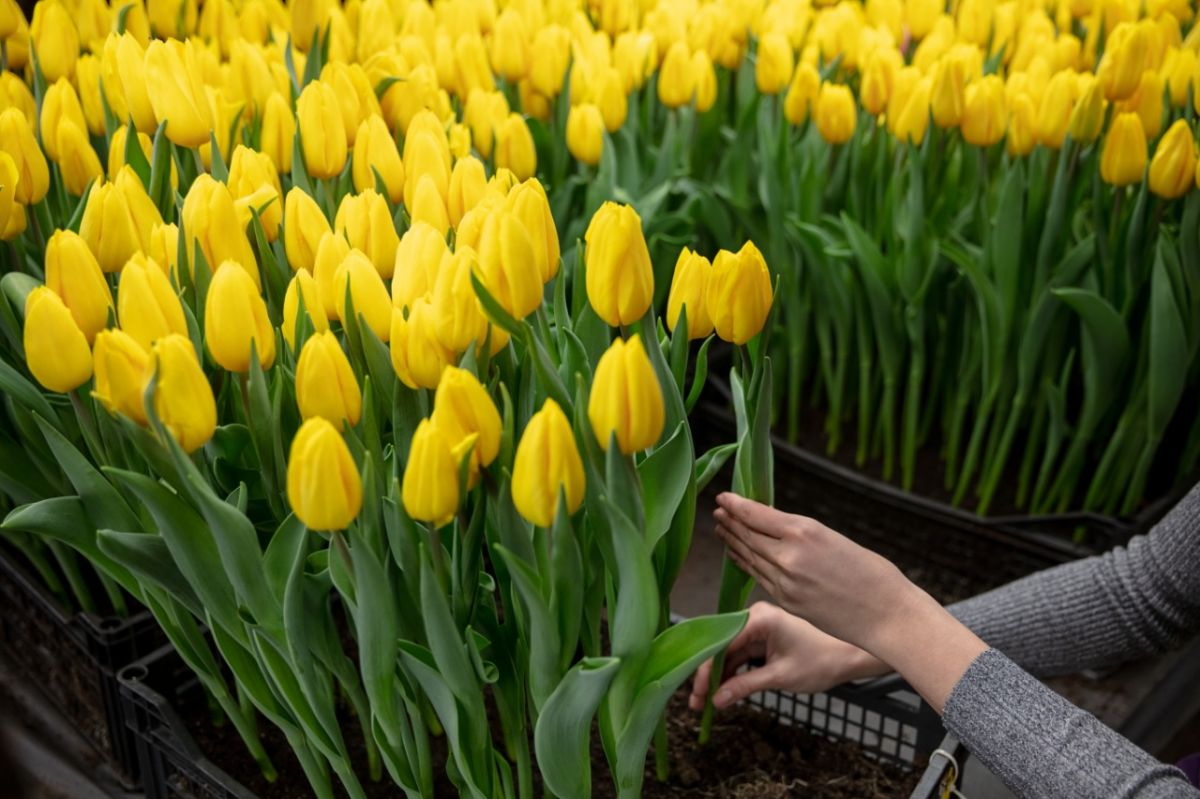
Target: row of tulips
x=243 y=391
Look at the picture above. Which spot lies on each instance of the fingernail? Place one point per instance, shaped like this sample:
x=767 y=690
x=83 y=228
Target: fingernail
x=722 y=697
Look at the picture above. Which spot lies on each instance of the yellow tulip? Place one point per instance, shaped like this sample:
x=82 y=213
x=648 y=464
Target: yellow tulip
x=1087 y=117
x=626 y=400
x=985 y=112
x=1180 y=70
x=183 y=398
x=920 y=16
x=302 y=286
x=484 y=113
x=74 y=275
x=1174 y=163
x=327 y=264
x=773 y=68
x=249 y=81
x=975 y=20
x=514 y=147
x=462 y=411
x=1126 y=57
x=254 y=185
x=585 y=133
x=355 y=95
x=172 y=18
x=323 y=484
x=706 y=83
x=375 y=152
x=546 y=466
x=429 y=206
x=532 y=207
x=321 y=130
x=739 y=294
x=164 y=248
x=116 y=151
x=468 y=181
x=549 y=56
x=309 y=19
x=10 y=209
x=836 y=114
x=509 y=56
x=474 y=72
x=325 y=383
x=118 y=220
x=16 y=139
x=55 y=39
x=1054 y=113
x=211 y=221
x=60 y=103
x=278 y=132
x=418 y=356
x=1147 y=103
x=56 y=350
x=620 y=278
x=15 y=94
x=77 y=161
x=358 y=282
x=430 y=492
x=1022 y=125
x=948 y=92
x=676 y=82
x=507 y=265
x=363 y=219
x=460 y=320
x=147 y=305
x=176 y=90
x=459 y=140
x=423 y=153
x=131 y=77
x=802 y=94
x=122 y=368
x=304 y=225
x=417 y=261
x=689 y=288
x=634 y=56
x=878 y=78
x=235 y=320
x=1124 y=157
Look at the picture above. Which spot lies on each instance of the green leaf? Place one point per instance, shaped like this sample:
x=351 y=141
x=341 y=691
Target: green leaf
x=563 y=732
x=26 y=394
x=1106 y=349
x=664 y=475
x=711 y=462
x=105 y=506
x=148 y=557
x=219 y=170
x=541 y=633
x=1168 y=350
x=134 y=156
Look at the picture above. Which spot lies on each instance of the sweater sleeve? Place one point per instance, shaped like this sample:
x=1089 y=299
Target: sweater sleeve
x=1040 y=745
x=1131 y=602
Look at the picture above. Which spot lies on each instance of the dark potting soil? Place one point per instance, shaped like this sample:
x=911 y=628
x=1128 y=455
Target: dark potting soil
x=750 y=756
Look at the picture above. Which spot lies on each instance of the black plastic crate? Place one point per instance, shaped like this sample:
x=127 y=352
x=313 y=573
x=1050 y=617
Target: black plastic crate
x=73 y=658
x=883 y=716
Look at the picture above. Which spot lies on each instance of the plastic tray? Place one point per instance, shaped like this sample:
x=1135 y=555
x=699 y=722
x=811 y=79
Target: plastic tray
x=883 y=716
x=73 y=658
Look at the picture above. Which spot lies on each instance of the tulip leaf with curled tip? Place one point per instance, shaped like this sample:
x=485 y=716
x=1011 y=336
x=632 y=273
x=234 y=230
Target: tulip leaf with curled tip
x=1106 y=349
x=105 y=505
x=665 y=474
x=673 y=656
x=711 y=462
x=699 y=377
x=148 y=557
x=23 y=393
x=542 y=630
x=561 y=737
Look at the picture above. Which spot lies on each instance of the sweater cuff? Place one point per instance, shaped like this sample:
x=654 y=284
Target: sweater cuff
x=1040 y=744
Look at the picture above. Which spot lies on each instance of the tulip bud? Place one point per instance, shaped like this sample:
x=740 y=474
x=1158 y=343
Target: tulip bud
x=468 y=182
x=77 y=161
x=16 y=139
x=327 y=263
x=424 y=155
x=55 y=39
x=375 y=152
x=706 y=83
x=985 y=112
x=304 y=226
x=431 y=492
x=920 y=16
x=1124 y=158
x=172 y=18
x=689 y=288
x=620 y=278
x=176 y=89
x=547 y=465
x=462 y=411
x=183 y=398
x=10 y=209
x=457 y=310
x=15 y=94
x=773 y=69
x=802 y=94
x=60 y=103
x=878 y=78
x=1087 y=117
x=428 y=206
x=739 y=294
x=74 y=275
x=1174 y=163
x=211 y=221
x=585 y=133
x=235 y=319
x=130 y=67
x=417 y=261
x=321 y=130
x=530 y=204
x=355 y=95
x=1126 y=56
x=1180 y=70
x=122 y=369
x=56 y=350
x=147 y=305
x=836 y=115
x=254 y=186
x=1054 y=114
x=302 y=286
x=323 y=484
x=1147 y=103
x=363 y=219
x=510 y=46
x=1022 y=125
x=626 y=399
x=116 y=153
x=325 y=383
x=676 y=83
x=278 y=131
x=514 y=148
x=418 y=356
x=358 y=282
x=506 y=264
x=164 y=248
x=549 y=56
x=948 y=92
x=118 y=219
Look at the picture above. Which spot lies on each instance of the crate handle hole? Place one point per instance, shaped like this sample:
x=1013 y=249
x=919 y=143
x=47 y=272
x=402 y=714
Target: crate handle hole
x=133 y=673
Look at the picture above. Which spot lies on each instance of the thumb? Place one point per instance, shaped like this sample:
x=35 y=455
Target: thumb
x=740 y=686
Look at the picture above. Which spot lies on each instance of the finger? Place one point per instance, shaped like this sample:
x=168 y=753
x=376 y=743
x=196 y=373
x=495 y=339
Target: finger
x=700 y=686
x=740 y=686
x=745 y=559
x=755 y=515
x=765 y=547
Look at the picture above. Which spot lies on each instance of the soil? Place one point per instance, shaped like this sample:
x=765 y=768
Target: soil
x=750 y=756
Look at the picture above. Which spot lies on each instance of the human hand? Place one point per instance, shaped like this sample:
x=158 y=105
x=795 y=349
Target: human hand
x=844 y=589
x=799 y=658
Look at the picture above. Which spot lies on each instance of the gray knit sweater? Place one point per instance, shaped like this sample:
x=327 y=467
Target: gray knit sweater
x=1138 y=600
